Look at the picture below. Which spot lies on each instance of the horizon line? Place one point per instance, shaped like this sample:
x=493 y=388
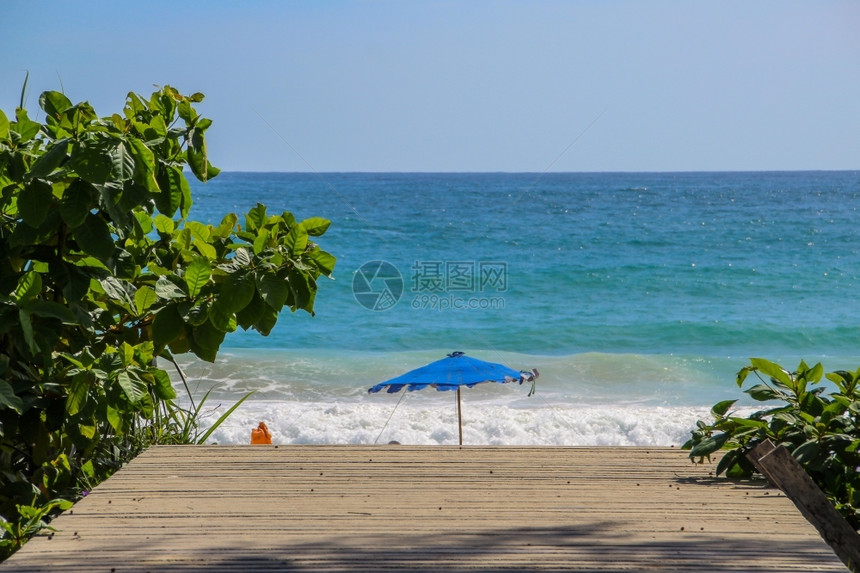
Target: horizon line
x=603 y=172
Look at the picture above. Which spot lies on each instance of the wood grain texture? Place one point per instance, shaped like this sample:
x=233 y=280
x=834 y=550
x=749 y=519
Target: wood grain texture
x=388 y=508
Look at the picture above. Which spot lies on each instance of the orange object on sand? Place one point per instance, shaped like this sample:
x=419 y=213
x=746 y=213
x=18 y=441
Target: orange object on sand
x=261 y=435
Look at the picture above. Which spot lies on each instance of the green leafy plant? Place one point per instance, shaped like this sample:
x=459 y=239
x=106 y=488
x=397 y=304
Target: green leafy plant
x=31 y=520
x=821 y=429
x=102 y=273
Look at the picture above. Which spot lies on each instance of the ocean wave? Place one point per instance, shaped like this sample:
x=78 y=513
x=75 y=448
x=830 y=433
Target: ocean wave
x=302 y=373
x=589 y=379
x=364 y=421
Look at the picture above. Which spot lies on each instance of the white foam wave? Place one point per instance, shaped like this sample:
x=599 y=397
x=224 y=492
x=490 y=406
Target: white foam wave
x=364 y=422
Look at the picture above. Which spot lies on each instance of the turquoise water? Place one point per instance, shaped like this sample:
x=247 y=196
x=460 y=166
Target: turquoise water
x=626 y=290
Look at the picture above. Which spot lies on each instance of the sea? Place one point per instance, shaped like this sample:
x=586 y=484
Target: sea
x=637 y=296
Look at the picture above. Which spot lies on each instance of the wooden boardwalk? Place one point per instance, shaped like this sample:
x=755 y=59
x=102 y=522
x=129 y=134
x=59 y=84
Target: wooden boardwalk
x=386 y=508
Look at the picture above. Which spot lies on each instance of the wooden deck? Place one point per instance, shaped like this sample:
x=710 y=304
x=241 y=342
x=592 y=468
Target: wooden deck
x=488 y=509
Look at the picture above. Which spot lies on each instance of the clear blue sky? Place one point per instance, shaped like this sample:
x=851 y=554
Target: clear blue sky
x=468 y=86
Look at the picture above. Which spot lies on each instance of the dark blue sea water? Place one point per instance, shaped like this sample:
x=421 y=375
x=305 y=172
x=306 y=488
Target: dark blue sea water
x=630 y=292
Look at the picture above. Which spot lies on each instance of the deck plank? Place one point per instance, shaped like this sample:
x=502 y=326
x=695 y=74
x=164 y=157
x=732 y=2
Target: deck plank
x=488 y=509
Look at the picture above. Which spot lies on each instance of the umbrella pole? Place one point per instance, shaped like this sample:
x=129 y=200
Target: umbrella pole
x=460 y=415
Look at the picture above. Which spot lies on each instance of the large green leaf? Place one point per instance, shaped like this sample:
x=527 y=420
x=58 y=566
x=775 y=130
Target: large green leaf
x=812 y=404
x=261 y=241
x=75 y=282
x=256 y=218
x=763 y=393
x=76 y=203
x=198 y=158
x=78 y=392
x=92 y=161
x=205 y=249
x=199 y=313
x=296 y=240
x=110 y=196
x=197 y=275
x=324 y=261
x=186 y=111
x=114 y=418
x=122 y=161
x=807 y=451
x=133 y=105
x=186 y=200
x=144 y=298
x=815 y=373
x=198 y=230
x=4 y=126
x=315 y=226
x=50 y=160
x=273 y=289
x=289 y=220
x=312 y=296
x=164 y=101
x=252 y=313
x=300 y=290
x=710 y=445
x=206 y=341
x=267 y=320
x=164 y=288
x=158 y=126
x=27 y=330
x=132 y=386
x=54 y=103
x=181 y=344
x=93 y=237
x=164 y=224
x=171 y=182
x=242 y=257
x=221 y=316
x=28 y=288
x=145 y=224
x=24 y=126
x=734 y=465
x=8 y=399
x=88 y=431
x=144 y=164
x=773 y=370
x=34 y=202
x=51 y=309
x=721 y=408
x=833 y=410
x=228 y=223
x=237 y=290
x=162 y=386
x=117 y=290
x=166 y=326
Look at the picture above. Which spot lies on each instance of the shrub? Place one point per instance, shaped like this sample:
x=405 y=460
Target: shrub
x=821 y=429
x=102 y=273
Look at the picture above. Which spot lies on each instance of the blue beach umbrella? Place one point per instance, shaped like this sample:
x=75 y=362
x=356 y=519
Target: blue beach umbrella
x=452 y=373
